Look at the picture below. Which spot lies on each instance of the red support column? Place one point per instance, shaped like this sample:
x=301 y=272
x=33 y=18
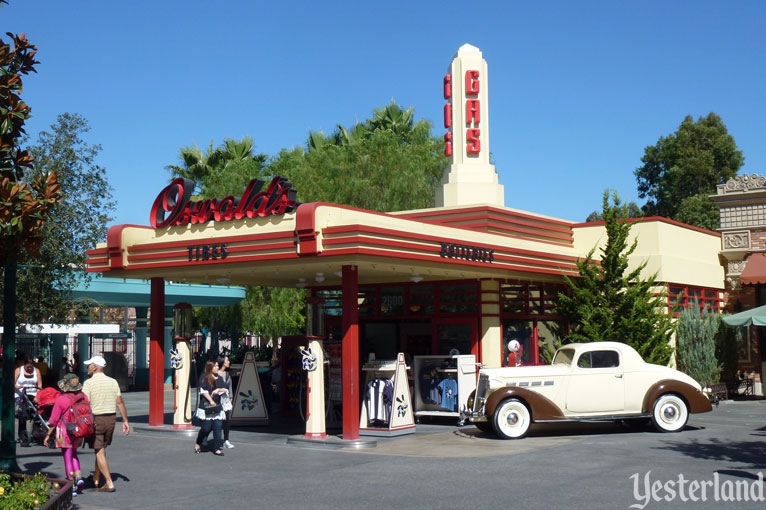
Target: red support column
x=157 y=354
x=350 y=355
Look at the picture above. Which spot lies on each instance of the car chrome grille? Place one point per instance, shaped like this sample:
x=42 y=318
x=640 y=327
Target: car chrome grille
x=481 y=392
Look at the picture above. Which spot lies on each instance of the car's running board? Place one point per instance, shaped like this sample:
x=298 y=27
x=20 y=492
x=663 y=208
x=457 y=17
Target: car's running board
x=597 y=418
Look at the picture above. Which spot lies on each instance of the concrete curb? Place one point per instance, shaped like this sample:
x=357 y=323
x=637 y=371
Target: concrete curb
x=331 y=442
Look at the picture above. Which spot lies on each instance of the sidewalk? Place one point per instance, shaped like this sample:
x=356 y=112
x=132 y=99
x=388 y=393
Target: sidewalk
x=152 y=462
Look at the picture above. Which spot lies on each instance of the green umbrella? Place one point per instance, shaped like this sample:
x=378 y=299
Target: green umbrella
x=756 y=316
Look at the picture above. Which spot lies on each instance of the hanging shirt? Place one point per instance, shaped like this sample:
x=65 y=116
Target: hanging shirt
x=380 y=395
x=448 y=388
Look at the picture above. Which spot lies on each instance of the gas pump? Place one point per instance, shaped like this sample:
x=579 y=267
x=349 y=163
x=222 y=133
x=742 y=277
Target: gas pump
x=180 y=361
x=313 y=363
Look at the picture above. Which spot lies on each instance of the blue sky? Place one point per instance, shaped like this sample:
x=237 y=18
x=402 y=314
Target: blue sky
x=576 y=89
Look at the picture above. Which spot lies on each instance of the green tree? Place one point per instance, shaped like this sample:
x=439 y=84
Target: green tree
x=687 y=165
x=272 y=312
x=386 y=163
x=195 y=165
x=696 y=345
x=608 y=302
x=634 y=211
x=699 y=211
x=75 y=224
x=220 y=170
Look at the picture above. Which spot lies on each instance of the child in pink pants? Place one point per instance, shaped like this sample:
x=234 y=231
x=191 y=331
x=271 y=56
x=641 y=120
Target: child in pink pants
x=71 y=387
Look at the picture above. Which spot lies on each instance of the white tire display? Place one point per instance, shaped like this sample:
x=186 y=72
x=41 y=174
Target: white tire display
x=512 y=419
x=670 y=413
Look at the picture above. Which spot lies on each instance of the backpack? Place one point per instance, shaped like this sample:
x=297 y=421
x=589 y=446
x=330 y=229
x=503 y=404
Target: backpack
x=79 y=418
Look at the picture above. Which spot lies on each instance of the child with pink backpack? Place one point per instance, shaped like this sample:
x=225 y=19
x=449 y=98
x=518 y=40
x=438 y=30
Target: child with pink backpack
x=72 y=420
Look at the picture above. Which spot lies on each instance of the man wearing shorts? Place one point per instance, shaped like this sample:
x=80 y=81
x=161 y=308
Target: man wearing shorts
x=103 y=392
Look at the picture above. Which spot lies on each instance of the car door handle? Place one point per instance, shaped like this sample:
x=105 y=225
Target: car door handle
x=618 y=376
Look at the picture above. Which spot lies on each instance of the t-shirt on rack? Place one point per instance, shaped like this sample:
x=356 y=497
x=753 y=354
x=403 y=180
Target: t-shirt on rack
x=379 y=400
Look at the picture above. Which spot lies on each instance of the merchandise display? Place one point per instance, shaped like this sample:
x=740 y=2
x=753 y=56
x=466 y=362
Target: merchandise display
x=387 y=406
x=443 y=383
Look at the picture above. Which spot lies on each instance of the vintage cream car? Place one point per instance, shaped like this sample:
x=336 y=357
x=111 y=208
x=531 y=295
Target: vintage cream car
x=589 y=381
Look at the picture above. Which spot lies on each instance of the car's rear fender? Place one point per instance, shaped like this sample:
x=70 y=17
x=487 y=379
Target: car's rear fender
x=697 y=401
x=541 y=407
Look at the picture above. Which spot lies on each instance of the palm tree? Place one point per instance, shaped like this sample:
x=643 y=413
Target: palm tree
x=196 y=165
x=209 y=169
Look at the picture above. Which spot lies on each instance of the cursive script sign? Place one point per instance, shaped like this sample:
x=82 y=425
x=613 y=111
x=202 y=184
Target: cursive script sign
x=175 y=200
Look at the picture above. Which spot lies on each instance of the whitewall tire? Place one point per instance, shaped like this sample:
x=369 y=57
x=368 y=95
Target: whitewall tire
x=670 y=413
x=512 y=419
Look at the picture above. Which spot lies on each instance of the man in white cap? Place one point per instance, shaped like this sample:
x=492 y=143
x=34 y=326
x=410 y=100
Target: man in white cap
x=103 y=392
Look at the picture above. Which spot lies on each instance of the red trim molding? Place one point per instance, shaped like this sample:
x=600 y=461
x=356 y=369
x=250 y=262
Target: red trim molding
x=114 y=244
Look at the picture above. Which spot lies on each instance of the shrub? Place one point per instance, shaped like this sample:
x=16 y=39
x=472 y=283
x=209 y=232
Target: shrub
x=696 y=346
x=25 y=493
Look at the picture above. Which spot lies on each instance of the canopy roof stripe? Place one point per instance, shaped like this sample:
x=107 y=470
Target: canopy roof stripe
x=499 y=221
x=325 y=237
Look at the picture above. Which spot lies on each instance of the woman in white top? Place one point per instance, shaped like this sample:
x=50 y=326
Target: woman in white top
x=28 y=380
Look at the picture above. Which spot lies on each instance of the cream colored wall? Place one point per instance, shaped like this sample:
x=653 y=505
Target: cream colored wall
x=491 y=334
x=677 y=254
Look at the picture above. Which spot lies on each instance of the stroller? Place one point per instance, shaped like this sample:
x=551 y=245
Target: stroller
x=38 y=413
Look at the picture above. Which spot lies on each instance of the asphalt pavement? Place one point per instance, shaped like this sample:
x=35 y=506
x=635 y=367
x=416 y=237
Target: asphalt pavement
x=574 y=466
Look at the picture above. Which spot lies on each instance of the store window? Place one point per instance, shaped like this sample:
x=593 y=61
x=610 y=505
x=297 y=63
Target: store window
x=368 y=301
x=683 y=297
x=529 y=298
x=458 y=298
x=514 y=298
x=523 y=332
x=421 y=300
x=454 y=338
x=392 y=300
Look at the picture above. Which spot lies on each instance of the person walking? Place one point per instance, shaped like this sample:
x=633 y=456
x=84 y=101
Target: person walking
x=210 y=411
x=224 y=363
x=27 y=380
x=104 y=395
x=71 y=392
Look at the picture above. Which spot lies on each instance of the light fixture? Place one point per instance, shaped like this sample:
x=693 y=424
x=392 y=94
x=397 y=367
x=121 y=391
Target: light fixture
x=339 y=274
x=319 y=277
x=416 y=278
x=301 y=283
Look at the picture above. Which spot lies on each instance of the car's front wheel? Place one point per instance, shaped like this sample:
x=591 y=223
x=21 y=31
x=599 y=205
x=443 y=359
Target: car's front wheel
x=670 y=413
x=512 y=419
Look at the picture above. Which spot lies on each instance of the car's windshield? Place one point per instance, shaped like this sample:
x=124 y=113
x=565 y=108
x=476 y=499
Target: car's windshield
x=563 y=357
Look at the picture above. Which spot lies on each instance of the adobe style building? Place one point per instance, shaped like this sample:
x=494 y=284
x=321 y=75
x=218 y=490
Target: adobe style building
x=466 y=276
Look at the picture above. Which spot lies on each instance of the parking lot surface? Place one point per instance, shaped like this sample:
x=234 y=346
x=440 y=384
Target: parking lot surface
x=596 y=465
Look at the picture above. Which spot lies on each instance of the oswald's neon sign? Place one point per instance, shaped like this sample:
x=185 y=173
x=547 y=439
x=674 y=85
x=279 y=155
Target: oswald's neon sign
x=175 y=200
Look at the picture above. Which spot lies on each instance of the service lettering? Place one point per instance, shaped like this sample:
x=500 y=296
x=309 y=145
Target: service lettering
x=461 y=251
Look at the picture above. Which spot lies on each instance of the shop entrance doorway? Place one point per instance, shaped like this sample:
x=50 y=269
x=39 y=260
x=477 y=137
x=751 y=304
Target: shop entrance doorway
x=455 y=336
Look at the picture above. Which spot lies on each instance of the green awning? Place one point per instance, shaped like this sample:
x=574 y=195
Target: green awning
x=756 y=316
